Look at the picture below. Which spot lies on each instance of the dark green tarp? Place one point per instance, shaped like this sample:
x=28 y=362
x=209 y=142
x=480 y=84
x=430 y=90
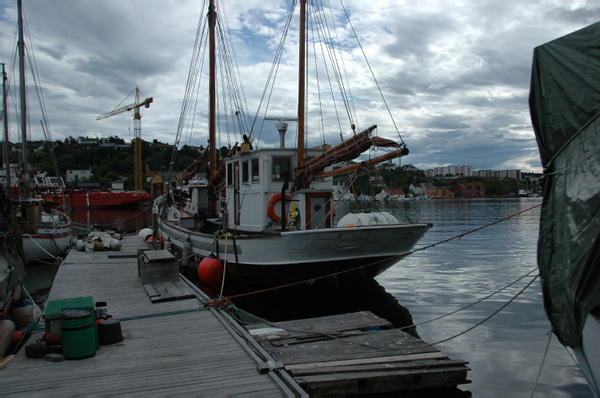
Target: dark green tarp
x=564 y=104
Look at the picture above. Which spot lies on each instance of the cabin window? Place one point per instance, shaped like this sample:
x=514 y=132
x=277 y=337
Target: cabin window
x=229 y=174
x=281 y=168
x=255 y=174
x=245 y=171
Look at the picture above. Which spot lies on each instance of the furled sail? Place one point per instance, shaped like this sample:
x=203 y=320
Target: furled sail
x=347 y=150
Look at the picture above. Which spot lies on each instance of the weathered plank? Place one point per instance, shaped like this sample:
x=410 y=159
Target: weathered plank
x=328 y=324
x=377 y=360
x=357 y=354
x=167 y=291
x=363 y=383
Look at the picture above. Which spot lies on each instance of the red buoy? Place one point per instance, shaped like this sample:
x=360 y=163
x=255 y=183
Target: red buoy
x=210 y=269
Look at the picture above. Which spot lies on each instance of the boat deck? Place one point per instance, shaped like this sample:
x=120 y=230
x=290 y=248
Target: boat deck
x=169 y=347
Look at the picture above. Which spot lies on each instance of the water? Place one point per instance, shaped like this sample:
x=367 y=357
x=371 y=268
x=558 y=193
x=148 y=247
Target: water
x=504 y=353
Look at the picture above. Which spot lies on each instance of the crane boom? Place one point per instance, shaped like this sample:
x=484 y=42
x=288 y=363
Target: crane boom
x=145 y=103
x=137 y=133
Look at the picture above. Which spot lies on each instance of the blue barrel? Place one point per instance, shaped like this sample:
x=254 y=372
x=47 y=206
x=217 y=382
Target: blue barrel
x=78 y=335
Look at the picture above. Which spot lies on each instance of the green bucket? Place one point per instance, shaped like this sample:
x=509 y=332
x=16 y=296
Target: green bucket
x=78 y=336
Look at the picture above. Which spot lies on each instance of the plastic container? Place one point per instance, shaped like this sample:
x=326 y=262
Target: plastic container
x=78 y=334
x=101 y=310
x=109 y=332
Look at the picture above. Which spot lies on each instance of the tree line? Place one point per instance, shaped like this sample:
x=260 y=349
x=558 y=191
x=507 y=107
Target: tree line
x=110 y=165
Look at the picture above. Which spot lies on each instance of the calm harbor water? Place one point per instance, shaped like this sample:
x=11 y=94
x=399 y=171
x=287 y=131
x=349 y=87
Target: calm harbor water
x=505 y=352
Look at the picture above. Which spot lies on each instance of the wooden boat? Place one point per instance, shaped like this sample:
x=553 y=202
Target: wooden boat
x=268 y=214
x=46 y=236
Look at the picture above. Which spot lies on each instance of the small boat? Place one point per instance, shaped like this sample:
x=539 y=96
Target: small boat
x=46 y=236
x=564 y=104
x=268 y=214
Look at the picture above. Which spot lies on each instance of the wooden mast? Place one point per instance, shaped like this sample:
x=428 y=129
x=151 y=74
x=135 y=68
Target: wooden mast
x=212 y=114
x=212 y=90
x=21 y=46
x=301 y=88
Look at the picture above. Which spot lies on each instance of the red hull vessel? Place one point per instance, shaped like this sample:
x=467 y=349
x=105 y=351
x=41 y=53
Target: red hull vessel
x=87 y=199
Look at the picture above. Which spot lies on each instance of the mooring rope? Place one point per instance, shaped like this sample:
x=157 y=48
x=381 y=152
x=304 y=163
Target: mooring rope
x=487 y=317
x=537 y=378
x=471 y=304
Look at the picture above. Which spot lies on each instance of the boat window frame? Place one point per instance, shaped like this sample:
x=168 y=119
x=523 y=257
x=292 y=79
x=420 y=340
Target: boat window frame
x=229 y=174
x=275 y=162
x=255 y=170
x=245 y=172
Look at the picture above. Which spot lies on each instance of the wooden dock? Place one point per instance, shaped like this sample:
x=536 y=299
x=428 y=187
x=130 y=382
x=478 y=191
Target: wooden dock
x=170 y=347
x=359 y=353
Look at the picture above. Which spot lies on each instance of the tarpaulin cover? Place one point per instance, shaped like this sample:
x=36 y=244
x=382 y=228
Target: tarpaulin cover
x=564 y=105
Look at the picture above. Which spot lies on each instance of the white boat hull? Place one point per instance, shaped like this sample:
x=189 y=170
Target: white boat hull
x=588 y=353
x=302 y=255
x=44 y=247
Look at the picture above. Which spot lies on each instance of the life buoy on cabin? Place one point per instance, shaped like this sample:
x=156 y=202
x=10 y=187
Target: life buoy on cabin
x=271 y=212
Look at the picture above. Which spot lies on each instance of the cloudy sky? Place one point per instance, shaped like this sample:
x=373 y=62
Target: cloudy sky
x=455 y=74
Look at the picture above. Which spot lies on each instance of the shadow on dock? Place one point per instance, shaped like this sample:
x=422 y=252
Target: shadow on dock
x=304 y=301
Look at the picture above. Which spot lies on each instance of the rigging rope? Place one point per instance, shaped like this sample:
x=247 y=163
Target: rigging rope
x=372 y=73
x=269 y=85
x=192 y=85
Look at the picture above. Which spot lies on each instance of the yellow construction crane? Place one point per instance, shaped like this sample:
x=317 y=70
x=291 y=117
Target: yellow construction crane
x=137 y=133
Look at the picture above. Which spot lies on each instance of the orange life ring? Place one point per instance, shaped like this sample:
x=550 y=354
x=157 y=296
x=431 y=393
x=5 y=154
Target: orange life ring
x=276 y=198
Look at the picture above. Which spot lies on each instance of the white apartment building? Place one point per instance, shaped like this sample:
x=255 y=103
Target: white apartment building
x=450 y=170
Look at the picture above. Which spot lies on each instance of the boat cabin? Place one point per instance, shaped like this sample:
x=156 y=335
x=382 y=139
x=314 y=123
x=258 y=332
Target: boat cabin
x=255 y=180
